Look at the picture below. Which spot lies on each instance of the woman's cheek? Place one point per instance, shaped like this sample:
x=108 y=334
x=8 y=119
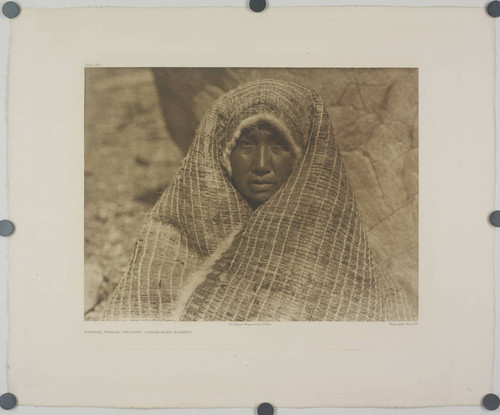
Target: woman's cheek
x=240 y=165
x=283 y=165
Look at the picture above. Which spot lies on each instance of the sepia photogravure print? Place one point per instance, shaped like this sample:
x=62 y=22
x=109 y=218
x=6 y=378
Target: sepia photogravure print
x=251 y=194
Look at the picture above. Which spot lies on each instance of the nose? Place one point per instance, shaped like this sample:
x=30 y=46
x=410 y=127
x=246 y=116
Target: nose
x=262 y=161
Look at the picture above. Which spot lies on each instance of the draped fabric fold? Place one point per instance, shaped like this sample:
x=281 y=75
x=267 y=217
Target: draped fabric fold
x=303 y=255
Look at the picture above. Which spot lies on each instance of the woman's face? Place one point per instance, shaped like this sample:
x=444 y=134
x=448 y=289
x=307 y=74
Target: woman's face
x=261 y=161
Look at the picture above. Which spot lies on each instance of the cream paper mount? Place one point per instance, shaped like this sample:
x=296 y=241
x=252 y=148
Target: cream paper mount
x=59 y=358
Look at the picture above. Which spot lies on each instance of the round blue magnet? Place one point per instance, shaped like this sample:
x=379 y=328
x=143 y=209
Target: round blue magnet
x=265 y=408
x=6 y=227
x=495 y=218
x=491 y=402
x=493 y=8
x=10 y=9
x=257 y=5
x=8 y=401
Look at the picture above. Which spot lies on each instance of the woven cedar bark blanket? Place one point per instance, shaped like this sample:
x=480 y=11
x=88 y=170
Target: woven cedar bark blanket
x=204 y=254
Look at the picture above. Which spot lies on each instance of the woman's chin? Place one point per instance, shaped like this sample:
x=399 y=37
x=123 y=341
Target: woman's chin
x=258 y=199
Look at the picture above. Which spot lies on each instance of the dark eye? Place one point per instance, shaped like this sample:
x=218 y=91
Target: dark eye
x=245 y=144
x=279 y=146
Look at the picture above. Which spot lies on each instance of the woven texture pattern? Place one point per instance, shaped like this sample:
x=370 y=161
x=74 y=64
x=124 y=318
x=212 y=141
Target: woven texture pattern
x=302 y=256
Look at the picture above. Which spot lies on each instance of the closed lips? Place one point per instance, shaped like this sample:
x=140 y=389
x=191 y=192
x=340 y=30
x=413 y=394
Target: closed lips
x=262 y=180
x=261 y=185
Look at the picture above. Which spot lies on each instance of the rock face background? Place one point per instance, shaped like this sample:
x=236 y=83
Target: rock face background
x=139 y=123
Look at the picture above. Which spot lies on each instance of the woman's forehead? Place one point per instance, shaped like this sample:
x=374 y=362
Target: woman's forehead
x=262 y=132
